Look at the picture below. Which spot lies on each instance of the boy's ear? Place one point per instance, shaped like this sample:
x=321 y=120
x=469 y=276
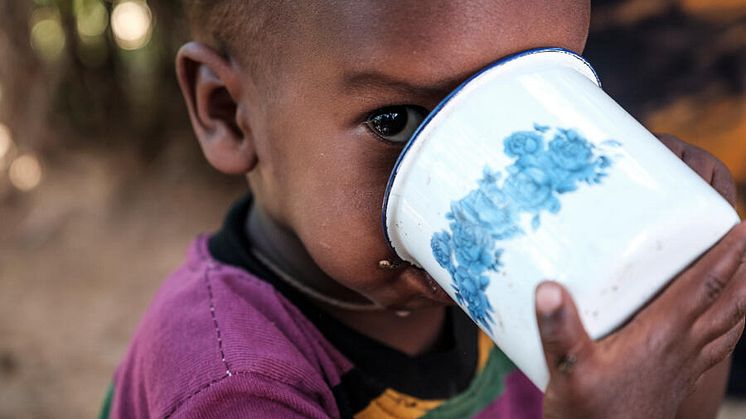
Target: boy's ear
x=212 y=90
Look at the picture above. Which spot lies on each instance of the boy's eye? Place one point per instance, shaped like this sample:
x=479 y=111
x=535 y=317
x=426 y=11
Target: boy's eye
x=396 y=123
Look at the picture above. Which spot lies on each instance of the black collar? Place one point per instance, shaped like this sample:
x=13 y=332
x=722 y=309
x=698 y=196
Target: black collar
x=435 y=375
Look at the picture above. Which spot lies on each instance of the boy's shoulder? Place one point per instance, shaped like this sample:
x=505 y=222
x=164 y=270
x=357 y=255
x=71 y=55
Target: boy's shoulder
x=214 y=327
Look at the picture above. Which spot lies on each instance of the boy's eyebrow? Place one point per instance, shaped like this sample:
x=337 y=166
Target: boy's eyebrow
x=373 y=80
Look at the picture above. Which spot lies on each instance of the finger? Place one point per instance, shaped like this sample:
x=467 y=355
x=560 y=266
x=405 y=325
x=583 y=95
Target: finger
x=674 y=144
x=729 y=310
x=707 y=166
x=712 y=170
x=695 y=290
x=563 y=336
x=700 y=161
x=716 y=351
x=723 y=182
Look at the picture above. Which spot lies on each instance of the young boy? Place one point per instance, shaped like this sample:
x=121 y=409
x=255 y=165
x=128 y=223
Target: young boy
x=297 y=308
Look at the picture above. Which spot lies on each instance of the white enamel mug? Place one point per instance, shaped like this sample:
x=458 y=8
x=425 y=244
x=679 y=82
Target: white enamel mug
x=528 y=171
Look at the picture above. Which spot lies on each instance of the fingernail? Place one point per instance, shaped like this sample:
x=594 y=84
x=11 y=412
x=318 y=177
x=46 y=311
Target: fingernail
x=548 y=298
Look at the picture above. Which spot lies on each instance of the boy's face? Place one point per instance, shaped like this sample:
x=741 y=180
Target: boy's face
x=352 y=85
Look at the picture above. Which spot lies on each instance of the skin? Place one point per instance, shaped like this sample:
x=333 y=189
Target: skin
x=318 y=174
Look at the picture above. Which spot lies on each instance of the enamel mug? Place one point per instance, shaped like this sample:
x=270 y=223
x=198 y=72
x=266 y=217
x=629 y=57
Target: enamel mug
x=528 y=171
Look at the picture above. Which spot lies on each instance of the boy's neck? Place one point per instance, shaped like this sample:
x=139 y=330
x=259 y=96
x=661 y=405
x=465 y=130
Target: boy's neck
x=418 y=332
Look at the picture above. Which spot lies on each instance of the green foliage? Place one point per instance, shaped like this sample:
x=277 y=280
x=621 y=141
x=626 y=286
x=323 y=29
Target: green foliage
x=113 y=69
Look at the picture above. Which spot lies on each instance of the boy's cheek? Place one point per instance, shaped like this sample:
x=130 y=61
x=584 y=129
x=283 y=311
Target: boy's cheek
x=329 y=181
x=342 y=231
x=345 y=233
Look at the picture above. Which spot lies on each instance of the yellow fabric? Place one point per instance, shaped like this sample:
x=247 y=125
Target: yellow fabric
x=485 y=346
x=392 y=404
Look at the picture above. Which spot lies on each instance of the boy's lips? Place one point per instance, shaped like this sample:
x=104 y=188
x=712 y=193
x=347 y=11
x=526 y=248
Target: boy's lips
x=427 y=285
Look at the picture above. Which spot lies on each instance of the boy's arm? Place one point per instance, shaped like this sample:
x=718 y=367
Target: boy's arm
x=251 y=395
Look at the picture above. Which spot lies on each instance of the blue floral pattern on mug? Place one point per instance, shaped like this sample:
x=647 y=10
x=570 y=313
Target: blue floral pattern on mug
x=548 y=162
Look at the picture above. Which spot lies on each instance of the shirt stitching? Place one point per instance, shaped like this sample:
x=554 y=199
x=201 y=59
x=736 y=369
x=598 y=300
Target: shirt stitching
x=215 y=320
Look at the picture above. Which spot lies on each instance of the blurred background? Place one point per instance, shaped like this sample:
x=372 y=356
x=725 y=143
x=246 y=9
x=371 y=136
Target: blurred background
x=102 y=185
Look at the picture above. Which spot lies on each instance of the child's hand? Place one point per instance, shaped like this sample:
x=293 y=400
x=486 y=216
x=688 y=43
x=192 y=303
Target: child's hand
x=705 y=164
x=647 y=368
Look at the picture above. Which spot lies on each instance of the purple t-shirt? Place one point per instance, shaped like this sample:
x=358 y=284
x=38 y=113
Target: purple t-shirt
x=218 y=341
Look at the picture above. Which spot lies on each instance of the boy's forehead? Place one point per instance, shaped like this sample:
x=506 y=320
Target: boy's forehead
x=437 y=43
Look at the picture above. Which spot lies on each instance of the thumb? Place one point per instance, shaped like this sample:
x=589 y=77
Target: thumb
x=563 y=336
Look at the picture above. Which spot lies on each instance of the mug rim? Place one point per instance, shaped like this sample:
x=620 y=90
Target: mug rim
x=416 y=135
